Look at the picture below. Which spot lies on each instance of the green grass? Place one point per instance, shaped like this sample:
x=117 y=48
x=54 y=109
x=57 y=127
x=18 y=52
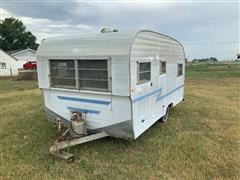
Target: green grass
x=200 y=141
x=215 y=70
x=7 y=85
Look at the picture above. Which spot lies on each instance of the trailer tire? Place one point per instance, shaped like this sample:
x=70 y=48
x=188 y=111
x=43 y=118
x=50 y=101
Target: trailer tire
x=165 y=117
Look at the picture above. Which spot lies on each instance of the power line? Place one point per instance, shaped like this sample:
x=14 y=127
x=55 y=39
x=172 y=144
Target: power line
x=212 y=43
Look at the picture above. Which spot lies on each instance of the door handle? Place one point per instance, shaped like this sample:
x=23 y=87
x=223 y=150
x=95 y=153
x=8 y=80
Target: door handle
x=151 y=84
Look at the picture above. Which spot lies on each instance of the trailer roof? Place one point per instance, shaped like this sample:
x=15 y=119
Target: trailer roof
x=101 y=44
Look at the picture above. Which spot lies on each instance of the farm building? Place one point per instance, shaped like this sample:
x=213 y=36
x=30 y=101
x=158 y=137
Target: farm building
x=11 y=61
x=8 y=64
x=23 y=55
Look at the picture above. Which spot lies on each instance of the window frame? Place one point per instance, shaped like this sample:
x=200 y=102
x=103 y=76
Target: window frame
x=50 y=76
x=77 y=85
x=160 y=67
x=5 y=65
x=179 y=75
x=138 y=72
x=109 y=78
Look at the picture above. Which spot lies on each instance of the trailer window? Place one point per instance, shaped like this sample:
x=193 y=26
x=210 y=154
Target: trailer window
x=179 y=69
x=3 y=65
x=144 y=72
x=62 y=73
x=93 y=74
x=162 y=67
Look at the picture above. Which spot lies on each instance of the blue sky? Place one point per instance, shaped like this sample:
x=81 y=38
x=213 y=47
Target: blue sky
x=206 y=28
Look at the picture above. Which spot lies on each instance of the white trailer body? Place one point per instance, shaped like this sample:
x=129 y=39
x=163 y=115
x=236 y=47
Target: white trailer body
x=122 y=82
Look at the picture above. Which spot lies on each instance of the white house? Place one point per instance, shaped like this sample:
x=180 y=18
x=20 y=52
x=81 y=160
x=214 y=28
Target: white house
x=8 y=64
x=23 y=55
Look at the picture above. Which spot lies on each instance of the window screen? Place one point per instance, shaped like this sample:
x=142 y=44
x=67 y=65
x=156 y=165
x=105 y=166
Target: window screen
x=62 y=73
x=179 y=69
x=144 y=72
x=93 y=74
x=3 y=65
x=162 y=67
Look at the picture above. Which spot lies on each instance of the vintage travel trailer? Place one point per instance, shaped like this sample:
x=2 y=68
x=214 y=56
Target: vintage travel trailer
x=120 y=83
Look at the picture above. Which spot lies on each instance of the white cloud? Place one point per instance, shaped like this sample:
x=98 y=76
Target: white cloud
x=189 y=22
x=44 y=28
x=59 y=25
x=4 y=13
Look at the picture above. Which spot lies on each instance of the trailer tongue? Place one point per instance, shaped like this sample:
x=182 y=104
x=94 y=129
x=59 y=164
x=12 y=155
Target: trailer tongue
x=71 y=138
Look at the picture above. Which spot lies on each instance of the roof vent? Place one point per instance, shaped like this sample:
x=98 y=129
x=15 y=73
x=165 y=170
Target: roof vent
x=107 y=30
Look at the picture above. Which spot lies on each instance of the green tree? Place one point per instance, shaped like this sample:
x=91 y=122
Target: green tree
x=14 y=35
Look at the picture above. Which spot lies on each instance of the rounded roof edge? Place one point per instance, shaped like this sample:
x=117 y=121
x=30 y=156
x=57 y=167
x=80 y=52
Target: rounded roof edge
x=151 y=31
x=113 y=43
x=120 y=35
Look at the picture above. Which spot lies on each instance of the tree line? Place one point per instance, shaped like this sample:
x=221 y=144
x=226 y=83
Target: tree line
x=14 y=35
x=211 y=59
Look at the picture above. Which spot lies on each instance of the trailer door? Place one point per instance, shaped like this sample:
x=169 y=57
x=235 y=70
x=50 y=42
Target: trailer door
x=161 y=80
x=141 y=99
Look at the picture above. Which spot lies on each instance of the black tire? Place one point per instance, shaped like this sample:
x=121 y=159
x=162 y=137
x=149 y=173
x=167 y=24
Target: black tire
x=165 y=117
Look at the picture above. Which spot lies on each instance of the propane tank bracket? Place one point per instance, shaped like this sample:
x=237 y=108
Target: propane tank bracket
x=77 y=125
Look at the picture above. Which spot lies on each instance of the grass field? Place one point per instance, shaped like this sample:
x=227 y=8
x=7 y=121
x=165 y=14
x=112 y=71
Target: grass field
x=201 y=140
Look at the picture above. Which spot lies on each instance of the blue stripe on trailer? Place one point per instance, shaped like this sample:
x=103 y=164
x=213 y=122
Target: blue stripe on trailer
x=165 y=95
x=90 y=111
x=146 y=95
x=154 y=92
x=85 y=100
